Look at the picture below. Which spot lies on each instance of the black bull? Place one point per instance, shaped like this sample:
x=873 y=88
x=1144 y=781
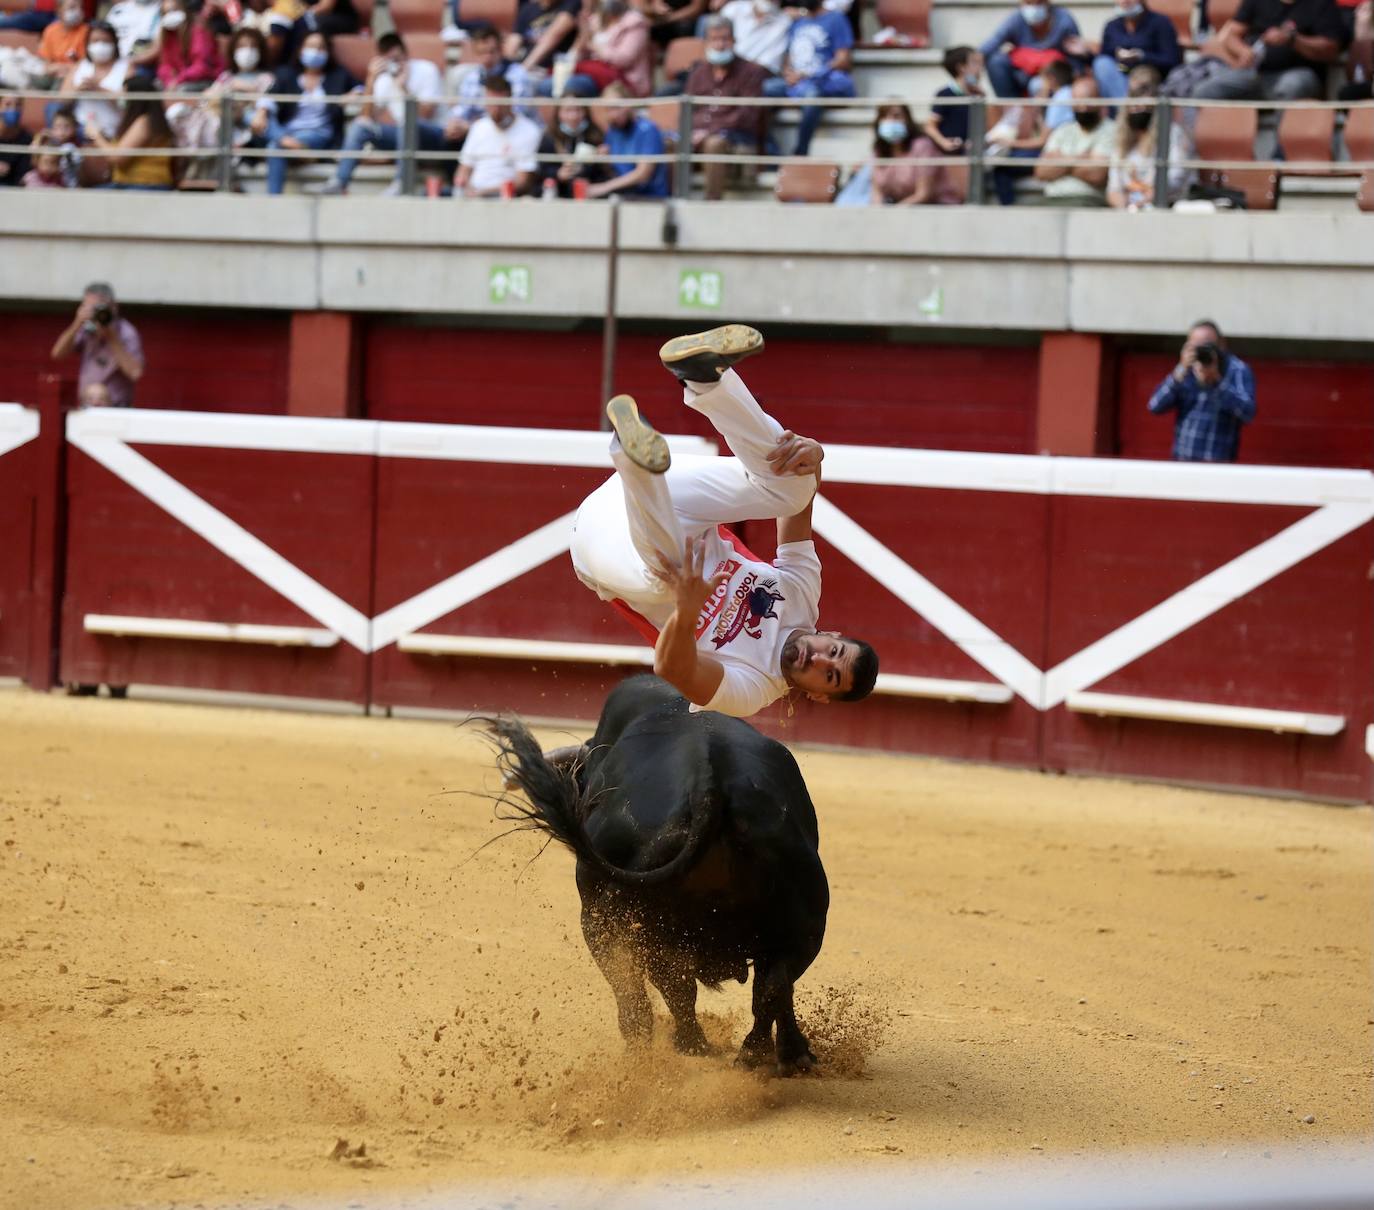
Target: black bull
x=696 y=847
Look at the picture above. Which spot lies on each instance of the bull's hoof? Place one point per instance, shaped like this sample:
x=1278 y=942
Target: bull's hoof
x=691 y=1042
x=803 y=1064
x=754 y=1058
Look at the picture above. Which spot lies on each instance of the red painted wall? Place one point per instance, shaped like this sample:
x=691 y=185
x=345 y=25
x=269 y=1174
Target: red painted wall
x=860 y=392
x=195 y=361
x=18 y=503
x=1308 y=413
x=126 y=556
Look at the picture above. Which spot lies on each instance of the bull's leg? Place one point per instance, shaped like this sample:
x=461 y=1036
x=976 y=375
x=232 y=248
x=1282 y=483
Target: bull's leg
x=623 y=965
x=773 y=1005
x=676 y=979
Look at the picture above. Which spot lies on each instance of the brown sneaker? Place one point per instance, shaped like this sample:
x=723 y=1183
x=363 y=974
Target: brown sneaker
x=705 y=356
x=641 y=442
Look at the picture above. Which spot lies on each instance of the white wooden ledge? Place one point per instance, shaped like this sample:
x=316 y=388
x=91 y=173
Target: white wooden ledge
x=213 y=632
x=1369 y=740
x=1206 y=713
x=524 y=649
x=989 y=692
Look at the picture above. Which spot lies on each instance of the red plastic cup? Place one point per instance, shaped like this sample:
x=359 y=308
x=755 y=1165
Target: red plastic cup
x=508 y=189
x=580 y=189
x=432 y=186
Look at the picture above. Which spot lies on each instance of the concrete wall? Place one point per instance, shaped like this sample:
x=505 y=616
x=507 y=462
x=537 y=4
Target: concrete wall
x=1303 y=276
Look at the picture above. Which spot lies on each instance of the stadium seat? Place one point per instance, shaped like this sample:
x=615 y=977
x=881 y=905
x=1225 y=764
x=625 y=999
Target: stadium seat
x=909 y=17
x=364 y=11
x=1228 y=133
x=807 y=182
x=427 y=46
x=417 y=16
x=1180 y=12
x=682 y=55
x=1307 y=134
x=665 y=115
x=354 y=52
x=15 y=6
x=35 y=114
x=1219 y=12
x=1359 y=144
x=500 y=13
x=20 y=40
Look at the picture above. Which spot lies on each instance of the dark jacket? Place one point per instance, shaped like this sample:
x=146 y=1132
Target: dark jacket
x=337 y=81
x=1154 y=36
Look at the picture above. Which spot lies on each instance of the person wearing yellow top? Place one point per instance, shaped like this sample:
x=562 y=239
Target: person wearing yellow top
x=143 y=126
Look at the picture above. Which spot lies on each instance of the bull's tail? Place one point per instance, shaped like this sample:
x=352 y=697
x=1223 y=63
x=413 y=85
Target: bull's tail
x=558 y=807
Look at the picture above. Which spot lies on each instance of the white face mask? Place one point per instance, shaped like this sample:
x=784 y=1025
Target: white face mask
x=72 y=17
x=100 y=52
x=1035 y=14
x=246 y=58
x=393 y=68
x=173 y=20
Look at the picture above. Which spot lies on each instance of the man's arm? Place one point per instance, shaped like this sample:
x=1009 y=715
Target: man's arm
x=1092 y=174
x=794 y=455
x=129 y=358
x=559 y=28
x=676 y=658
x=65 y=344
x=1236 y=392
x=1048 y=168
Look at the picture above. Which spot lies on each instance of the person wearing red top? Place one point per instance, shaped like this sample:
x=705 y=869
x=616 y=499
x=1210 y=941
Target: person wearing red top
x=188 y=54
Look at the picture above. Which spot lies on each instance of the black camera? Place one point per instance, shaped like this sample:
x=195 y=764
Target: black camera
x=103 y=315
x=1208 y=355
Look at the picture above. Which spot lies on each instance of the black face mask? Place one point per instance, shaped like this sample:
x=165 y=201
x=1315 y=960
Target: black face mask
x=1139 y=121
x=1090 y=119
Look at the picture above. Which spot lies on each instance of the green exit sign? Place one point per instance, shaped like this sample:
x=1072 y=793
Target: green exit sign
x=700 y=289
x=509 y=284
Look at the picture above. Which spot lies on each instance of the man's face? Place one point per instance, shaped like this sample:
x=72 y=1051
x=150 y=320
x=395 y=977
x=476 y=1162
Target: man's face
x=720 y=38
x=1201 y=335
x=396 y=61
x=488 y=53
x=63 y=128
x=821 y=665
x=502 y=115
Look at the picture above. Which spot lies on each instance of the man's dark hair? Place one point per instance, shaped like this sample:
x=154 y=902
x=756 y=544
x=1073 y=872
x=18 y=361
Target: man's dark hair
x=1209 y=323
x=863 y=672
x=955 y=59
x=482 y=31
x=1059 y=71
x=494 y=81
x=389 y=42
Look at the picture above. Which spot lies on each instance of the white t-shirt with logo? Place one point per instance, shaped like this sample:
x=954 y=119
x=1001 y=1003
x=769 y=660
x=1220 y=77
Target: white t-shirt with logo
x=746 y=622
x=423 y=82
x=496 y=155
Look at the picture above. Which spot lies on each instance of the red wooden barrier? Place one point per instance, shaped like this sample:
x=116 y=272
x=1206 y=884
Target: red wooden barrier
x=20 y=462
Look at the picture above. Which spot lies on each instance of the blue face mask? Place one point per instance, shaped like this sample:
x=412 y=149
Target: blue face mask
x=892 y=130
x=719 y=58
x=10 y=117
x=314 y=58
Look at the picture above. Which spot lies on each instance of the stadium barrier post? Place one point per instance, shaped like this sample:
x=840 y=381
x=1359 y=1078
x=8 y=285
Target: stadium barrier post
x=682 y=174
x=55 y=397
x=225 y=163
x=409 y=139
x=977 y=131
x=608 y=338
x=1164 y=125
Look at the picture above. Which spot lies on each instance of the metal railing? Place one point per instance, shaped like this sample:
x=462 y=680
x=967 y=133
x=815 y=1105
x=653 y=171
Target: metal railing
x=979 y=157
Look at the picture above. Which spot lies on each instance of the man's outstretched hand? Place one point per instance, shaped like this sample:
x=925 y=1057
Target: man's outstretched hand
x=796 y=455
x=687 y=579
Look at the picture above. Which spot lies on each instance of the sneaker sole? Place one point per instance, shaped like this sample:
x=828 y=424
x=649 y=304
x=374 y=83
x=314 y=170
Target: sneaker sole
x=642 y=443
x=731 y=342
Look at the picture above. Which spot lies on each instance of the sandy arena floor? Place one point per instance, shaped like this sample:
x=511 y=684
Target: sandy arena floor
x=229 y=939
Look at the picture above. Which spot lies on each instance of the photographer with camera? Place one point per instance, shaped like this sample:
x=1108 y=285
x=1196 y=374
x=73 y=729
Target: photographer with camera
x=110 y=348
x=1212 y=391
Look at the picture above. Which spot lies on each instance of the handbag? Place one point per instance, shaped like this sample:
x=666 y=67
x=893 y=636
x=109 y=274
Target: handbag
x=1032 y=60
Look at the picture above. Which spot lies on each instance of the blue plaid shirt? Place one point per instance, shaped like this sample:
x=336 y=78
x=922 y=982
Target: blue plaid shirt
x=1209 y=418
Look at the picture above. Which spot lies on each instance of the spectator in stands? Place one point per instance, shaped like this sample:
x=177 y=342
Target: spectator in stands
x=500 y=153
x=136 y=23
x=143 y=126
x=1360 y=65
x=1025 y=41
x=1022 y=130
x=1091 y=136
x=109 y=345
x=896 y=180
x=630 y=133
x=328 y=17
x=572 y=133
x=947 y=126
x=46 y=172
x=669 y=19
x=543 y=30
x=63 y=44
x=1131 y=178
x=98 y=81
x=13 y=164
x=613 y=47
x=1138 y=36
x=311 y=123
x=1277 y=50
x=467 y=81
x=1213 y=393
x=761 y=29
x=64 y=137
x=725 y=129
x=198 y=125
x=32 y=20
x=819 y=56
x=392 y=78
x=188 y=56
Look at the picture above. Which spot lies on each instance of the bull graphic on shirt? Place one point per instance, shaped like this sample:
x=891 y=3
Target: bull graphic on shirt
x=752 y=604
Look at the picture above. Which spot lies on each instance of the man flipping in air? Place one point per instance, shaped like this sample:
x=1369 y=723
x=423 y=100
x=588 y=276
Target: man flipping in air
x=734 y=634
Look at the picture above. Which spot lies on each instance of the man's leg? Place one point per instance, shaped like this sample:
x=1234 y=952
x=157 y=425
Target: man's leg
x=1111 y=80
x=1294 y=84
x=1233 y=84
